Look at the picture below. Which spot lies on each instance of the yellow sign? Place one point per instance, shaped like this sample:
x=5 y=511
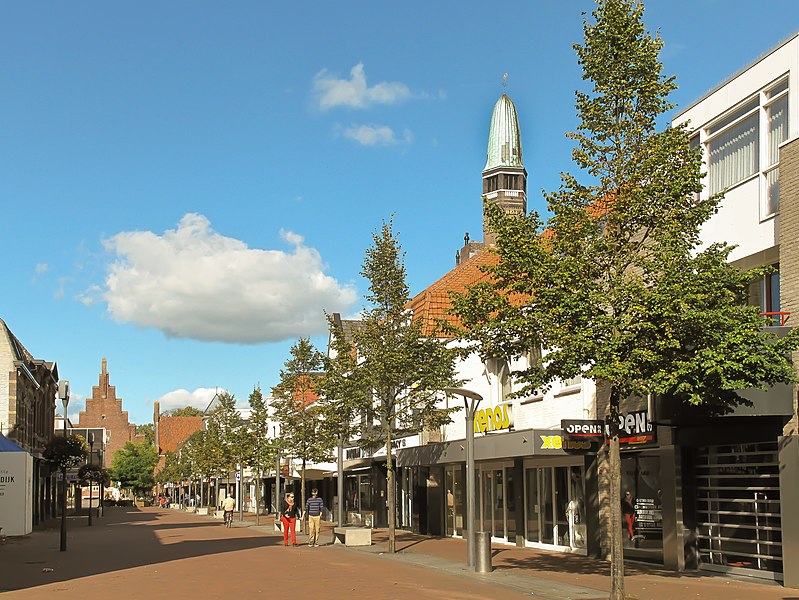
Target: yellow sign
x=493 y=419
x=556 y=442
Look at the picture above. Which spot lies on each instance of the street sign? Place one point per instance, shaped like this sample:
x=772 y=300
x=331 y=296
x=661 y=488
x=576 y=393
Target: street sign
x=238 y=475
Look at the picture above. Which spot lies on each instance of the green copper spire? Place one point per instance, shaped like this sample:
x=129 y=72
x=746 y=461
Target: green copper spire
x=504 y=138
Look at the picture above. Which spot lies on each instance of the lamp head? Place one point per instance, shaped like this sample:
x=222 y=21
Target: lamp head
x=63 y=391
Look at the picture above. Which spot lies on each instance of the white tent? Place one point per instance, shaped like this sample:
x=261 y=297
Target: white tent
x=16 y=489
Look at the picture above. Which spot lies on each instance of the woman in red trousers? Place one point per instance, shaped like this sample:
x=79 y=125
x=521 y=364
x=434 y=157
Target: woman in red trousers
x=289 y=514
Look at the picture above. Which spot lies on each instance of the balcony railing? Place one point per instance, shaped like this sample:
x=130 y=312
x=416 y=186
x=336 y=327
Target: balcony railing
x=778 y=319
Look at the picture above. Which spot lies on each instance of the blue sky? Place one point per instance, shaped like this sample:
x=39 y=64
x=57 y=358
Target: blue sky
x=185 y=186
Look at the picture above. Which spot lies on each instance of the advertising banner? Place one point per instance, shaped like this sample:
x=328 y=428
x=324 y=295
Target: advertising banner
x=16 y=493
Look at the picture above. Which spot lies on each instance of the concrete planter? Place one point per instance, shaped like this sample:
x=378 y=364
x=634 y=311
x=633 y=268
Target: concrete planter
x=203 y=510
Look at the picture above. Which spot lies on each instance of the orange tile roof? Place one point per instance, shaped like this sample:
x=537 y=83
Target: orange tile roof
x=173 y=431
x=434 y=303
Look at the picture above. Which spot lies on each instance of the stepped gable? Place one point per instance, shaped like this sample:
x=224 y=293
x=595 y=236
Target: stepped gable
x=104 y=409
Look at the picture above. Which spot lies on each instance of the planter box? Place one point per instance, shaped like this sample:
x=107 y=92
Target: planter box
x=352 y=536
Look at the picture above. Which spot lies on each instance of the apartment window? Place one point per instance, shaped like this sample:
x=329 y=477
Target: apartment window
x=777 y=118
x=745 y=142
x=765 y=293
x=733 y=149
x=572 y=381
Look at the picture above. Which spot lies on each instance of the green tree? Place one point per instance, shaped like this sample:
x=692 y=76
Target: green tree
x=170 y=470
x=228 y=433
x=186 y=411
x=147 y=431
x=196 y=452
x=404 y=370
x=262 y=447
x=303 y=433
x=616 y=284
x=66 y=452
x=89 y=474
x=344 y=396
x=133 y=467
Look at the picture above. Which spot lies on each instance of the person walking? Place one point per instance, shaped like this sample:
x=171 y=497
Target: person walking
x=289 y=513
x=313 y=508
x=628 y=513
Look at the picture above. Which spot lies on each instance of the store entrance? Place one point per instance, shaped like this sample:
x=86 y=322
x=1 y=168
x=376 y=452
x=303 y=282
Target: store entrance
x=455 y=495
x=555 y=506
x=497 y=495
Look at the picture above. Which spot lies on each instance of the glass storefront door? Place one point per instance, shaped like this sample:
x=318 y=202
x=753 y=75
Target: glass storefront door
x=497 y=512
x=455 y=500
x=555 y=506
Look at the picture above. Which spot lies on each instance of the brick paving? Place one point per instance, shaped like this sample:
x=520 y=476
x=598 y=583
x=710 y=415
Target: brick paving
x=159 y=553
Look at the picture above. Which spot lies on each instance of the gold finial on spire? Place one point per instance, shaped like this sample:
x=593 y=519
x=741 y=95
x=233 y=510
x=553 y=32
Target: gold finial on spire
x=505 y=83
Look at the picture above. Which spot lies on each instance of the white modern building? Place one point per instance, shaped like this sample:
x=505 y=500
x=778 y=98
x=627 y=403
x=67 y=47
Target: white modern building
x=740 y=470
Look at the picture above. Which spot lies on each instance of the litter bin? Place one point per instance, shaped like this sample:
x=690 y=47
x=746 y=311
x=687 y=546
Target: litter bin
x=483 y=552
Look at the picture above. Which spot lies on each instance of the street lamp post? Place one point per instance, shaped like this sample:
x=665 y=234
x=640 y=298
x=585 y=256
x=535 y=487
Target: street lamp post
x=470 y=401
x=277 y=483
x=63 y=394
x=91 y=480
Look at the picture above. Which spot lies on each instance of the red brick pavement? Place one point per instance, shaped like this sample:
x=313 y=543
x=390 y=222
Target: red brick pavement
x=164 y=553
x=153 y=553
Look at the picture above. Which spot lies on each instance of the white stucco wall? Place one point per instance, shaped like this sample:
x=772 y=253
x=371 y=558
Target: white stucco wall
x=739 y=220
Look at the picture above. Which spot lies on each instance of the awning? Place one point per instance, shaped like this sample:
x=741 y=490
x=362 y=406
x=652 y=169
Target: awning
x=6 y=445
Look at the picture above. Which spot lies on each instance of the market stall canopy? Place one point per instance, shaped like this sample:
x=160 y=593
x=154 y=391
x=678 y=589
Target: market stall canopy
x=7 y=445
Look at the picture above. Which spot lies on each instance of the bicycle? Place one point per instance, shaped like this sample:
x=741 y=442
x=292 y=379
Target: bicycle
x=228 y=518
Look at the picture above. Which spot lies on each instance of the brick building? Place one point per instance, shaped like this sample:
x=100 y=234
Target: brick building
x=28 y=388
x=104 y=410
x=170 y=432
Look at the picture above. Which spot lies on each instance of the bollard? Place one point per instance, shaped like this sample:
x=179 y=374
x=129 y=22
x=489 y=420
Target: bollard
x=482 y=561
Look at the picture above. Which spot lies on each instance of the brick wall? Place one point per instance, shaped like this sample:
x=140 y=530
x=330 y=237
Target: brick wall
x=789 y=249
x=104 y=409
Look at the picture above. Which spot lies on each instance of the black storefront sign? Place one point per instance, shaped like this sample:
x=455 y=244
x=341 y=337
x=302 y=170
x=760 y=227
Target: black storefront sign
x=635 y=428
x=583 y=436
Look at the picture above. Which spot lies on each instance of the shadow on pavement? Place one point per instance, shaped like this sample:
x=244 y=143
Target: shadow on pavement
x=124 y=538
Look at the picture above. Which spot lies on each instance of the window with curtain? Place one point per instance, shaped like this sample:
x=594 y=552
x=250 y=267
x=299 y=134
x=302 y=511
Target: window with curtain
x=777 y=118
x=734 y=154
x=745 y=142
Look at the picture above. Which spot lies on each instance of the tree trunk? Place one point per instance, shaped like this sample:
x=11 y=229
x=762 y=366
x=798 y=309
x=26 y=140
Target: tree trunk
x=392 y=533
x=616 y=529
x=302 y=498
x=340 y=482
x=257 y=500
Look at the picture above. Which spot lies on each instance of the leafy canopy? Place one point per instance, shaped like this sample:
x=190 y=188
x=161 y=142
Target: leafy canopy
x=66 y=452
x=303 y=434
x=133 y=466
x=404 y=369
x=616 y=284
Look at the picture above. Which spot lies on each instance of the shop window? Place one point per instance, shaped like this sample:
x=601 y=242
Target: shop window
x=642 y=506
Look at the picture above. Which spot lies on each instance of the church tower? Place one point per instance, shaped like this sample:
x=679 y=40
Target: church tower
x=504 y=175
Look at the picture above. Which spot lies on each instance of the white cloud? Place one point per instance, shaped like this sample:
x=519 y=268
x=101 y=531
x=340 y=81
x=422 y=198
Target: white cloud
x=376 y=135
x=199 y=398
x=76 y=404
x=192 y=282
x=354 y=92
x=41 y=268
